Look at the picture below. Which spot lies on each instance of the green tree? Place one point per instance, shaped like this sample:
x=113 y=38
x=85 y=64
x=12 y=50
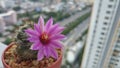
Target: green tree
x=7 y=41
x=17 y=8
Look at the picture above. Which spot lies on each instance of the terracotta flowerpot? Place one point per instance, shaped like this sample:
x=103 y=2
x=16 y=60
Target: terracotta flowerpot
x=56 y=64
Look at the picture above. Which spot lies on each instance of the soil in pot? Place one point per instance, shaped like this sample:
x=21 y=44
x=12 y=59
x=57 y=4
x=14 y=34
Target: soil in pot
x=11 y=59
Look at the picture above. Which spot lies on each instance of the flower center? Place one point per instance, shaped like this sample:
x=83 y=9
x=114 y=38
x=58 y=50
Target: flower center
x=44 y=38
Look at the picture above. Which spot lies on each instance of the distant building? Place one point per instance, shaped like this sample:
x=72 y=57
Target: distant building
x=51 y=2
x=113 y=55
x=85 y=1
x=2 y=25
x=91 y=1
x=57 y=1
x=10 y=17
x=82 y=0
x=102 y=50
x=28 y=6
x=7 y=3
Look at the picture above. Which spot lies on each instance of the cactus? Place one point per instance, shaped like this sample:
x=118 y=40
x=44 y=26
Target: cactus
x=23 y=45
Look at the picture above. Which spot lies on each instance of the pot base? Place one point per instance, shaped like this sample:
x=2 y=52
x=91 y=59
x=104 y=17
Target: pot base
x=9 y=60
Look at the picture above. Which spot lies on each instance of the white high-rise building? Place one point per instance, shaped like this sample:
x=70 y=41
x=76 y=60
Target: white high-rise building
x=113 y=55
x=104 y=20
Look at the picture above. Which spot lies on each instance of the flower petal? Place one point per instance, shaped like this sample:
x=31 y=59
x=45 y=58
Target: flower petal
x=36 y=46
x=49 y=24
x=46 y=51
x=54 y=54
x=31 y=32
x=37 y=28
x=33 y=39
x=53 y=28
x=57 y=37
x=40 y=55
x=56 y=44
x=60 y=29
x=41 y=23
x=53 y=31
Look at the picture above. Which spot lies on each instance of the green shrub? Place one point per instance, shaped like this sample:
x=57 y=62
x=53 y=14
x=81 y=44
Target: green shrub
x=74 y=24
x=7 y=41
x=1 y=35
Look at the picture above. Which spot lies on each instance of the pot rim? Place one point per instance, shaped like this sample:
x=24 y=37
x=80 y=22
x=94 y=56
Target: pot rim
x=4 y=63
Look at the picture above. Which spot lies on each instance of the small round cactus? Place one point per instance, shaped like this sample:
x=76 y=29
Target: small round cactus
x=23 y=50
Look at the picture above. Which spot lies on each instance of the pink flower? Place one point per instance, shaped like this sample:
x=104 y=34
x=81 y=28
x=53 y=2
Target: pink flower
x=45 y=38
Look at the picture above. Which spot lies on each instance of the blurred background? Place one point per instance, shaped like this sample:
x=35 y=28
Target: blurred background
x=95 y=47
x=73 y=14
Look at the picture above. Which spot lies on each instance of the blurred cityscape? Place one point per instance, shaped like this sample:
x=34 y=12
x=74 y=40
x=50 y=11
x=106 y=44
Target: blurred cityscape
x=92 y=28
x=73 y=14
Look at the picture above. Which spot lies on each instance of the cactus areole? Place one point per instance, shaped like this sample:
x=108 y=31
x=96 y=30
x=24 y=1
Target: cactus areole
x=45 y=38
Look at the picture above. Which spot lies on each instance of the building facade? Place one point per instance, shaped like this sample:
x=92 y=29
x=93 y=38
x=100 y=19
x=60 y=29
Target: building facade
x=7 y=3
x=2 y=25
x=113 y=55
x=104 y=20
x=9 y=18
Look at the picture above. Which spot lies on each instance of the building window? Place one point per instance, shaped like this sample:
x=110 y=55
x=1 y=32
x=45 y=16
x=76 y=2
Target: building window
x=117 y=60
x=100 y=42
x=93 y=37
x=114 y=54
x=103 y=33
x=107 y=18
x=112 y=59
x=96 y=59
x=97 y=55
x=111 y=0
x=118 y=41
x=93 y=66
x=109 y=6
x=96 y=21
x=119 y=36
x=6 y=17
x=95 y=26
x=98 y=51
x=92 y=44
x=101 y=38
x=111 y=62
x=99 y=47
x=99 y=8
x=108 y=12
x=94 y=31
x=105 y=23
x=94 y=62
x=97 y=16
x=104 y=28
x=116 y=64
